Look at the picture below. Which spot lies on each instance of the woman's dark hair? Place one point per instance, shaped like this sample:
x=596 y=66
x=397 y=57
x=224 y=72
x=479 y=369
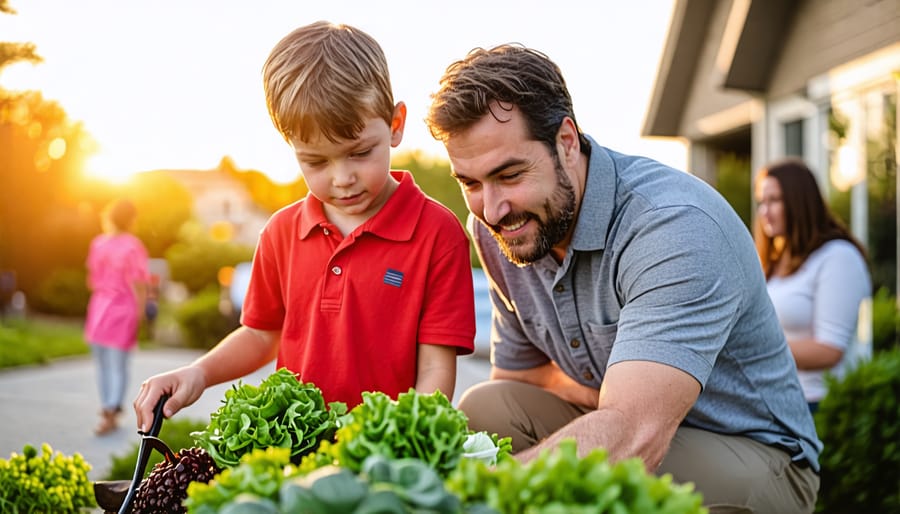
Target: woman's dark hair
x=808 y=223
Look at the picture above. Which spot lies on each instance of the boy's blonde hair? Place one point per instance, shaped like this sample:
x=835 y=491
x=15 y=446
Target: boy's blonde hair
x=327 y=79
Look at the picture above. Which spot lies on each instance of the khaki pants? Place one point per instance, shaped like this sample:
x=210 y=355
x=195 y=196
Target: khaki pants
x=734 y=474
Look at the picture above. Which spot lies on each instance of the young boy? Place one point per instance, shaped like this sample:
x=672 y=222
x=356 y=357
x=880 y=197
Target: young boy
x=365 y=284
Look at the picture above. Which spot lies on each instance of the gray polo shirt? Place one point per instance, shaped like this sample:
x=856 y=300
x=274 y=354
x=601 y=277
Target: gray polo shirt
x=660 y=269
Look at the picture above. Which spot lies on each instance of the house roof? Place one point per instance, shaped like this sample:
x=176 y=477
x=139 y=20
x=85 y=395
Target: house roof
x=747 y=53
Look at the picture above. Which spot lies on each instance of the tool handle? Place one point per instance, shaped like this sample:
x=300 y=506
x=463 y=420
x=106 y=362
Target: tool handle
x=144 y=454
x=158 y=417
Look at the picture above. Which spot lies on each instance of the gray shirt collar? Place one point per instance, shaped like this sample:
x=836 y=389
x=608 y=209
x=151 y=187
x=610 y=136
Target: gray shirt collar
x=597 y=203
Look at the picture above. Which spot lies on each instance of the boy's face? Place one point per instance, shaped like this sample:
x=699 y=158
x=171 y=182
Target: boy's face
x=351 y=177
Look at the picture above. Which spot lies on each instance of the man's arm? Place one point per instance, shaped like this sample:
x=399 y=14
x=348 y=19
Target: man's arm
x=641 y=405
x=554 y=380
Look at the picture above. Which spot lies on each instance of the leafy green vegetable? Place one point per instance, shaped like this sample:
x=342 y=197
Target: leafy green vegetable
x=560 y=482
x=258 y=475
x=424 y=427
x=281 y=412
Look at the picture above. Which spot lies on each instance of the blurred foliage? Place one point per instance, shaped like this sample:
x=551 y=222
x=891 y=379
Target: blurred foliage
x=44 y=220
x=163 y=206
x=885 y=321
x=858 y=422
x=733 y=181
x=195 y=259
x=26 y=341
x=202 y=322
x=63 y=291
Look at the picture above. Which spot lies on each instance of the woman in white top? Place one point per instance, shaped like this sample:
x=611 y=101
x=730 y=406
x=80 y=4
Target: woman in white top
x=815 y=269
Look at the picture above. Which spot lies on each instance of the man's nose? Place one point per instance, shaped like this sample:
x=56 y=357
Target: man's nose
x=494 y=205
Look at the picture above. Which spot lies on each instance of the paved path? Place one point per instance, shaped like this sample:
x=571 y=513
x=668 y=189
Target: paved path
x=57 y=404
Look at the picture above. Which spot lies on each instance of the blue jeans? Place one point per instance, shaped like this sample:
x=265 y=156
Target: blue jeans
x=112 y=375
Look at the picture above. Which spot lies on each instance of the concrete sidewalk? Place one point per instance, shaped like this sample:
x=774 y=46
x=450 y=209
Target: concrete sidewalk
x=58 y=403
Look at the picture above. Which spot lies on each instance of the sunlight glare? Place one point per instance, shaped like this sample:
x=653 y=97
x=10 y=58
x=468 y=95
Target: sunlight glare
x=104 y=167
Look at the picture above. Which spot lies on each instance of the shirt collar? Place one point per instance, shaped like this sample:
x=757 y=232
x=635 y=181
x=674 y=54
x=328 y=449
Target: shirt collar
x=597 y=202
x=396 y=220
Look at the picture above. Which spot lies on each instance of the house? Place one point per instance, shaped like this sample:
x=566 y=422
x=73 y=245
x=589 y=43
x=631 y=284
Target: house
x=765 y=79
x=222 y=204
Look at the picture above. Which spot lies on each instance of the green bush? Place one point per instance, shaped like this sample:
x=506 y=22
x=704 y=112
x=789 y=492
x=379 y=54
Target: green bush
x=859 y=424
x=176 y=433
x=195 y=260
x=63 y=292
x=885 y=321
x=28 y=341
x=201 y=322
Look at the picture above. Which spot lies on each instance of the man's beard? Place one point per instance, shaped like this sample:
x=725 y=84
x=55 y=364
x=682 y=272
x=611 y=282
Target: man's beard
x=559 y=212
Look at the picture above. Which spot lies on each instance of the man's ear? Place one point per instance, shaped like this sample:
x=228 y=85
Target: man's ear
x=398 y=122
x=567 y=141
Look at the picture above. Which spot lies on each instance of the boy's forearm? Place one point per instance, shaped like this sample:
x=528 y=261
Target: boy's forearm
x=241 y=352
x=436 y=369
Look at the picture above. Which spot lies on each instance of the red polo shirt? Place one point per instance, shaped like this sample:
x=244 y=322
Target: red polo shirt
x=352 y=310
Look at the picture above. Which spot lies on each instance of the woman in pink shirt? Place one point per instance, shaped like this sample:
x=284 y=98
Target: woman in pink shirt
x=117 y=277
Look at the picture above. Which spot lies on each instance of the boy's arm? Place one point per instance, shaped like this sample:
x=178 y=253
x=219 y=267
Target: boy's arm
x=241 y=352
x=436 y=365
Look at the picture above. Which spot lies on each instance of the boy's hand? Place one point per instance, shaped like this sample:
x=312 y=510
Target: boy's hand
x=183 y=385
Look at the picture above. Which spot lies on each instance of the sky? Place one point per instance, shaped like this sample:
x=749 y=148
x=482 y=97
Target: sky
x=177 y=84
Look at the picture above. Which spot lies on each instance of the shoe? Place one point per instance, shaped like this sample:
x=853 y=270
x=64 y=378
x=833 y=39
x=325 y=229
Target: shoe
x=107 y=422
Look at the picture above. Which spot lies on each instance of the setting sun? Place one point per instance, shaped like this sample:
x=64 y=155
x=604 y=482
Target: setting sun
x=102 y=166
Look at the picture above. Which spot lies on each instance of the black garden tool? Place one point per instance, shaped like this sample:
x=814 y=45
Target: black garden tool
x=118 y=495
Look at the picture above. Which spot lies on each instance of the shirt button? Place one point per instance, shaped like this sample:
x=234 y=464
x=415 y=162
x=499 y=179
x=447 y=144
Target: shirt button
x=326 y=231
x=559 y=288
x=575 y=343
x=336 y=270
x=588 y=375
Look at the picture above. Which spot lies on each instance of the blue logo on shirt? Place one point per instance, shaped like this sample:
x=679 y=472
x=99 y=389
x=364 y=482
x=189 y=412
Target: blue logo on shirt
x=393 y=277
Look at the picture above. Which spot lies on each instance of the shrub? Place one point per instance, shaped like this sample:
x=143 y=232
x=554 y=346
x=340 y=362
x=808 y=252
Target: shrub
x=201 y=321
x=63 y=292
x=31 y=341
x=859 y=424
x=196 y=259
x=885 y=320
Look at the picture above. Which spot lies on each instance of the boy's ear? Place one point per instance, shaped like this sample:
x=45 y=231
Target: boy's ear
x=398 y=122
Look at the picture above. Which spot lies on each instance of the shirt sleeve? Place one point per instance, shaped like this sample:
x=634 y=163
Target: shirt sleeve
x=841 y=284
x=680 y=283
x=448 y=316
x=263 y=306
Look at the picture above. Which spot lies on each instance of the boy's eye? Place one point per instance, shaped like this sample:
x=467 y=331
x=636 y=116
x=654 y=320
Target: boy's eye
x=362 y=153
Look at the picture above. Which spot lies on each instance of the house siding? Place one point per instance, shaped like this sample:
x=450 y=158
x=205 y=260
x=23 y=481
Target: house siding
x=706 y=96
x=828 y=33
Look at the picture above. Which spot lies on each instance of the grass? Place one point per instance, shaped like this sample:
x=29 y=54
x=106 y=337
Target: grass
x=29 y=341
x=38 y=339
